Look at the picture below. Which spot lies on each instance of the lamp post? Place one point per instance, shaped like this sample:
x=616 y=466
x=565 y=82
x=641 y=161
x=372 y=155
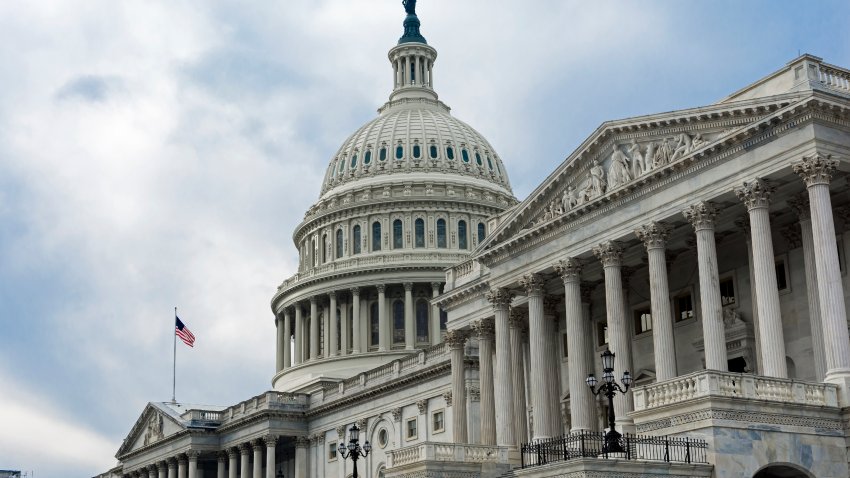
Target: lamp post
x=609 y=388
x=353 y=450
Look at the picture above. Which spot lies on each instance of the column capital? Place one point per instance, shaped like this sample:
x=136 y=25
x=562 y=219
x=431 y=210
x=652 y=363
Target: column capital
x=532 y=283
x=340 y=432
x=518 y=319
x=485 y=328
x=332 y=295
x=435 y=286
x=244 y=448
x=361 y=423
x=270 y=440
x=381 y=288
x=654 y=235
x=408 y=286
x=499 y=297
x=161 y=465
x=313 y=300
x=153 y=468
x=800 y=205
x=816 y=169
x=755 y=194
x=447 y=396
x=422 y=405
x=193 y=454
x=301 y=442
x=455 y=338
x=355 y=291
x=232 y=452
x=172 y=461
x=222 y=456
x=396 y=413
x=182 y=459
x=569 y=269
x=701 y=215
x=609 y=253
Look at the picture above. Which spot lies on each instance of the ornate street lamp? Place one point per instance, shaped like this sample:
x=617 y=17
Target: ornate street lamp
x=609 y=388
x=353 y=450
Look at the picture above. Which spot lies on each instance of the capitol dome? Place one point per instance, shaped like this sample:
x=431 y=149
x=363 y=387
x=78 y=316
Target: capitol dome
x=406 y=196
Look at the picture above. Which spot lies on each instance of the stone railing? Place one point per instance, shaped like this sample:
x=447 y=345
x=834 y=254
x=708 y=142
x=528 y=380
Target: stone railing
x=294 y=402
x=455 y=452
x=203 y=418
x=463 y=273
x=834 y=77
x=709 y=383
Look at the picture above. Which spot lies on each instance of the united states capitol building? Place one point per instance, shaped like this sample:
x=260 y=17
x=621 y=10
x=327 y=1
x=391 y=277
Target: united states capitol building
x=456 y=325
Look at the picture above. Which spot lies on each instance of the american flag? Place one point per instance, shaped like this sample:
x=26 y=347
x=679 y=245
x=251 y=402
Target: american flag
x=184 y=333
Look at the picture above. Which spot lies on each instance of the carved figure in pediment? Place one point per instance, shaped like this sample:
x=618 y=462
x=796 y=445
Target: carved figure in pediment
x=637 y=159
x=662 y=154
x=597 y=180
x=569 y=199
x=154 y=429
x=618 y=171
x=697 y=142
x=731 y=318
x=683 y=146
x=648 y=157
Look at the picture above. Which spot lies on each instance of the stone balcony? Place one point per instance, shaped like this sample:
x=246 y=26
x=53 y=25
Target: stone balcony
x=448 y=459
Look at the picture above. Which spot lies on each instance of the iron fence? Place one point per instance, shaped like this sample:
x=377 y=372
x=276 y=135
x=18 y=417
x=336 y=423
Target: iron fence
x=635 y=447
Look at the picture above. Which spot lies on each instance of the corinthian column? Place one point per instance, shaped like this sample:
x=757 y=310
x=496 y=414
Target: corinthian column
x=162 y=469
x=743 y=225
x=244 y=460
x=654 y=236
x=756 y=195
x=287 y=339
x=301 y=444
x=817 y=172
x=383 y=324
x=182 y=465
x=299 y=336
x=701 y=215
x=501 y=300
x=801 y=207
x=553 y=362
x=257 y=446
x=409 y=328
x=456 y=339
x=334 y=328
x=518 y=322
x=484 y=329
x=172 y=467
x=544 y=423
x=278 y=323
x=314 y=328
x=610 y=253
x=270 y=441
x=581 y=399
x=193 y=463
x=435 y=316
x=221 y=469
x=355 y=320
x=233 y=459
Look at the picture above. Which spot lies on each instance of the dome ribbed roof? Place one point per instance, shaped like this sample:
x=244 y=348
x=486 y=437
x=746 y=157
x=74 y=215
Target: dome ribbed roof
x=415 y=135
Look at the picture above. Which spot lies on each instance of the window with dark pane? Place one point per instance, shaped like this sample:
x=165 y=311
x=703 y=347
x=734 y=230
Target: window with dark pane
x=441 y=233
x=398 y=322
x=376 y=236
x=356 y=240
x=461 y=234
x=419 y=232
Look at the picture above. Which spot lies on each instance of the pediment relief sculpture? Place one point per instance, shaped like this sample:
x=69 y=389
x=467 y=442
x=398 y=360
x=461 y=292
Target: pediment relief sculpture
x=153 y=432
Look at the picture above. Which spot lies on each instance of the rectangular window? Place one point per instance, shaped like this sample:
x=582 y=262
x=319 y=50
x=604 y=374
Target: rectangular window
x=781 y=275
x=564 y=344
x=602 y=333
x=684 y=307
x=727 y=291
x=643 y=321
x=412 y=432
x=438 y=421
x=331 y=451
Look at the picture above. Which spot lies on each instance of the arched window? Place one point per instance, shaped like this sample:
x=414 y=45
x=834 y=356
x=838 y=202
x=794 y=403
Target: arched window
x=433 y=151
x=367 y=158
x=324 y=255
x=422 y=321
x=338 y=243
x=419 y=232
x=355 y=236
x=382 y=155
x=398 y=230
x=461 y=234
x=399 y=152
x=489 y=162
x=417 y=151
x=450 y=152
x=482 y=232
x=374 y=325
x=444 y=319
x=341 y=166
x=314 y=253
x=398 y=322
x=441 y=233
x=354 y=161
x=464 y=154
x=478 y=158
x=376 y=236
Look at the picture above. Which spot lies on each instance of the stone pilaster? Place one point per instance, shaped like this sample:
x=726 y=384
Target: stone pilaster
x=610 y=254
x=801 y=207
x=383 y=319
x=314 y=328
x=436 y=337
x=355 y=320
x=270 y=441
x=654 y=236
x=756 y=196
x=701 y=216
x=537 y=331
x=456 y=339
x=518 y=322
x=581 y=399
x=485 y=331
x=334 y=327
x=505 y=428
x=409 y=326
x=816 y=171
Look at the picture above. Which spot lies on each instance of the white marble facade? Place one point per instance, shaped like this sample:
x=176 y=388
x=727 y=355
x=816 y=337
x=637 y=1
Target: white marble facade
x=705 y=247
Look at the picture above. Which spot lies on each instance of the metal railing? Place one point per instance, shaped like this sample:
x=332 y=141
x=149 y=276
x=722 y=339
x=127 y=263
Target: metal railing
x=592 y=445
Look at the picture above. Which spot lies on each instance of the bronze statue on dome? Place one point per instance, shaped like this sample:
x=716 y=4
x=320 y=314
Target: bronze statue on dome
x=409 y=6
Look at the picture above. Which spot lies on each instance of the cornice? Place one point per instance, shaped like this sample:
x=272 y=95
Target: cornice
x=463 y=294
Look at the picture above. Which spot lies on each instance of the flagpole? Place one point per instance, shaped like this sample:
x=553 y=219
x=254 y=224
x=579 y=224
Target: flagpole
x=174 y=369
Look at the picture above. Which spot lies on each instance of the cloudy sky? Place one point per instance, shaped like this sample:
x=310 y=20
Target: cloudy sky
x=160 y=154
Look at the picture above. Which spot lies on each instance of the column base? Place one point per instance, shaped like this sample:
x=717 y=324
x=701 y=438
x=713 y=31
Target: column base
x=840 y=377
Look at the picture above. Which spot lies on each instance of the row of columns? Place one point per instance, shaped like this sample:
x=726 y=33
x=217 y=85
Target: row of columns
x=404 y=66
x=287 y=320
x=498 y=397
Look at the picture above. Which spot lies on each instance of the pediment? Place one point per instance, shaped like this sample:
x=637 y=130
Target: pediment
x=155 y=424
x=625 y=155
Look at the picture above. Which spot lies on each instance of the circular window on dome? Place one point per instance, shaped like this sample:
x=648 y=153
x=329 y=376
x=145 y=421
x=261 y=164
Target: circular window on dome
x=354 y=161
x=450 y=152
x=433 y=151
x=399 y=152
x=478 y=158
x=417 y=151
x=489 y=162
x=382 y=155
x=464 y=154
x=383 y=437
x=367 y=158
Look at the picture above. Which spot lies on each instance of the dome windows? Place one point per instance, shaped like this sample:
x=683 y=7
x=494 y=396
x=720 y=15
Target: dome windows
x=482 y=232
x=464 y=154
x=489 y=162
x=341 y=166
x=432 y=151
x=399 y=152
x=367 y=158
x=356 y=240
x=398 y=233
x=419 y=232
x=478 y=158
x=382 y=155
x=376 y=236
x=354 y=160
x=417 y=151
x=441 y=233
x=461 y=234
x=450 y=152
